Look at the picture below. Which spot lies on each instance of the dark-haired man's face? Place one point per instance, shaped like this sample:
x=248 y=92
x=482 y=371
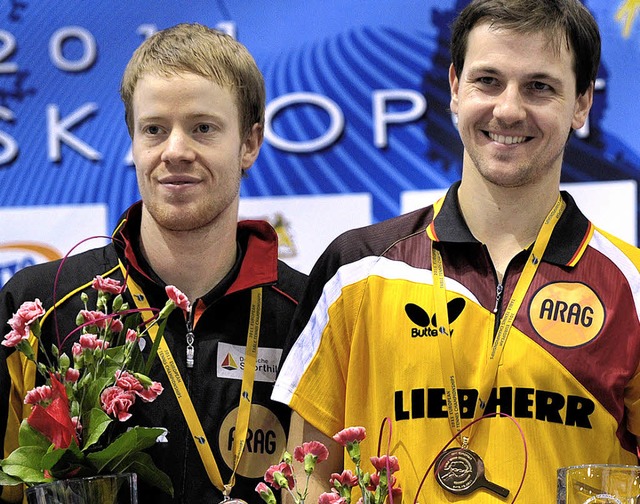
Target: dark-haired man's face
x=516 y=104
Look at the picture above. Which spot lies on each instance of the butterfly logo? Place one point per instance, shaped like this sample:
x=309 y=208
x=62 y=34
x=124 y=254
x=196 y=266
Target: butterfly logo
x=428 y=323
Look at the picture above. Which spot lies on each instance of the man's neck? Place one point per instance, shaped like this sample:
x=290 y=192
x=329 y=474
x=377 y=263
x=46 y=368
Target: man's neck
x=193 y=261
x=506 y=220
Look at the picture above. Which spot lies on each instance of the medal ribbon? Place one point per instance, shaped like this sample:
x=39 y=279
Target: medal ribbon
x=444 y=336
x=180 y=389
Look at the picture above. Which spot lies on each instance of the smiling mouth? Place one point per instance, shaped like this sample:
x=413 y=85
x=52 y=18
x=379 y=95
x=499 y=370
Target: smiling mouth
x=507 y=140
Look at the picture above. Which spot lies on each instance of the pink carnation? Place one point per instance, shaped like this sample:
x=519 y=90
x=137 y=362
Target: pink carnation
x=380 y=463
x=38 y=395
x=350 y=435
x=115 y=325
x=150 y=394
x=346 y=479
x=116 y=402
x=109 y=285
x=13 y=337
x=131 y=336
x=314 y=448
x=175 y=295
x=72 y=375
x=96 y=318
x=126 y=381
x=331 y=498
x=91 y=342
x=28 y=313
x=282 y=468
x=264 y=490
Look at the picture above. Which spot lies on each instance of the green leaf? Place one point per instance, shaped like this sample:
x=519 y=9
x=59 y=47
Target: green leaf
x=95 y=425
x=142 y=464
x=134 y=440
x=6 y=480
x=62 y=463
x=25 y=463
x=28 y=436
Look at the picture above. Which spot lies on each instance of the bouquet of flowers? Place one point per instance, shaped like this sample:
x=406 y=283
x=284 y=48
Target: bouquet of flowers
x=72 y=429
x=375 y=488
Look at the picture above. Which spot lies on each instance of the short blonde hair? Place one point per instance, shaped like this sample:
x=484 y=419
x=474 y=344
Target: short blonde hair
x=197 y=49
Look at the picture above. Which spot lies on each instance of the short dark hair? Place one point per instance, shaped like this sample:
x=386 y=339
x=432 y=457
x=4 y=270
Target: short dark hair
x=562 y=20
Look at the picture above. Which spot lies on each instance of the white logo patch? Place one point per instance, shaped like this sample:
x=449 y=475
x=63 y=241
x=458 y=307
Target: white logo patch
x=230 y=362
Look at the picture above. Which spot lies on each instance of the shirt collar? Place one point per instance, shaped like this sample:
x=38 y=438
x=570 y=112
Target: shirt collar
x=257 y=257
x=566 y=246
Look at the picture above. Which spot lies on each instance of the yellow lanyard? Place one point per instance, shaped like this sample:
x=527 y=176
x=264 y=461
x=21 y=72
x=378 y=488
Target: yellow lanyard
x=500 y=340
x=180 y=389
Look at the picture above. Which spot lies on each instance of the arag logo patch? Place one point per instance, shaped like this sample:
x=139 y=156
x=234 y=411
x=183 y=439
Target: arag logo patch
x=429 y=324
x=567 y=314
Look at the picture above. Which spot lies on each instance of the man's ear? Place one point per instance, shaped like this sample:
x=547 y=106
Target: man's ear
x=251 y=146
x=454 y=85
x=582 y=108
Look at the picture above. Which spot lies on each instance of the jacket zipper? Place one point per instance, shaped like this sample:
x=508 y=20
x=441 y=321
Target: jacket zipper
x=190 y=339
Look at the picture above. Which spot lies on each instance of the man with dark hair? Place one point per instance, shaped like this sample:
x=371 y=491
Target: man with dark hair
x=194 y=104
x=497 y=328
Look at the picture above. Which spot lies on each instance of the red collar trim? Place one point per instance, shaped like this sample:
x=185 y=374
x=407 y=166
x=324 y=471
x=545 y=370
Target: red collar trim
x=260 y=263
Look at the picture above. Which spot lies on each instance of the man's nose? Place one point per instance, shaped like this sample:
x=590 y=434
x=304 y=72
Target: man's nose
x=510 y=106
x=178 y=147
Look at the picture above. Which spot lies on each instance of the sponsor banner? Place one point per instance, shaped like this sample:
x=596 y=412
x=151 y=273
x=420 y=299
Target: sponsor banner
x=230 y=362
x=612 y=206
x=307 y=224
x=32 y=235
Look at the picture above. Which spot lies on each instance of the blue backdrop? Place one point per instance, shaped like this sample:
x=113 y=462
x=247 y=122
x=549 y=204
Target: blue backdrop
x=374 y=118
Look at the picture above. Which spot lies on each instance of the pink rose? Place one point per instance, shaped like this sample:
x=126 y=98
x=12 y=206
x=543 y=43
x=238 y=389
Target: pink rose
x=38 y=395
x=28 y=313
x=13 y=337
x=314 y=448
x=175 y=295
x=350 y=435
x=380 y=463
x=150 y=394
x=116 y=402
x=107 y=285
x=331 y=498
x=346 y=479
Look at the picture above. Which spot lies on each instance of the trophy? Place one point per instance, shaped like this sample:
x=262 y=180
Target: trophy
x=599 y=484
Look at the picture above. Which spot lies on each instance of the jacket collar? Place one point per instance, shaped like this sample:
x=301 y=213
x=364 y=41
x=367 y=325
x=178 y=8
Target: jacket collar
x=256 y=264
x=566 y=246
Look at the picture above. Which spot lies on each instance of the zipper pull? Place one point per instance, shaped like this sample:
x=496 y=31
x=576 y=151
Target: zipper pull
x=190 y=349
x=498 y=297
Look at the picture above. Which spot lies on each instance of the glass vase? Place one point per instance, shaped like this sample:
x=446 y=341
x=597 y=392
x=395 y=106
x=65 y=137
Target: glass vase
x=103 y=489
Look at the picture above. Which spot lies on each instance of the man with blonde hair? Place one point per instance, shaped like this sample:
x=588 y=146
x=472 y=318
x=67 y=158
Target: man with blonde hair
x=194 y=106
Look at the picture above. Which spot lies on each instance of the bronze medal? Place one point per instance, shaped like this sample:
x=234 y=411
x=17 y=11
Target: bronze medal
x=461 y=471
